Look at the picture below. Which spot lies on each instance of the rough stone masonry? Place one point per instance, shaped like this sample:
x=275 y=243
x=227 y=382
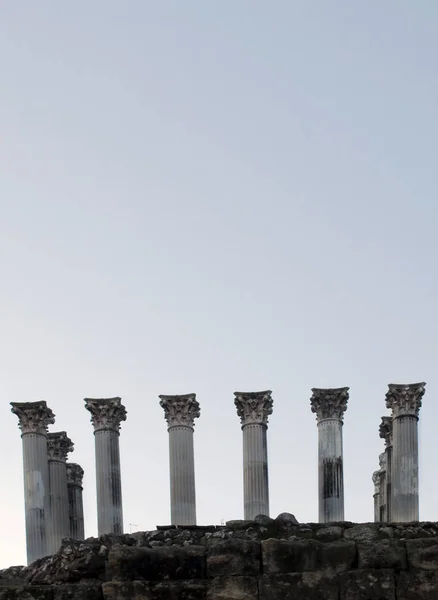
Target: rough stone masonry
x=263 y=559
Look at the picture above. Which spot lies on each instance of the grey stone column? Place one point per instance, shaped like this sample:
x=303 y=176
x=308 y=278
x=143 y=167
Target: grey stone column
x=329 y=406
x=34 y=419
x=385 y=432
x=254 y=408
x=106 y=416
x=382 y=495
x=376 y=496
x=58 y=445
x=405 y=403
x=75 y=474
x=180 y=413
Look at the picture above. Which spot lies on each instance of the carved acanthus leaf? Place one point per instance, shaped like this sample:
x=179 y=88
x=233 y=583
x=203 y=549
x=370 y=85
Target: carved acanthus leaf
x=376 y=481
x=59 y=445
x=75 y=474
x=180 y=411
x=329 y=403
x=254 y=407
x=106 y=413
x=405 y=400
x=33 y=417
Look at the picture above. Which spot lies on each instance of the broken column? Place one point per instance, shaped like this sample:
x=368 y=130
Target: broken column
x=382 y=487
x=385 y=432
x=106 y=416
x=376 y=496
x=180 y=413
x=405 y=403
x=58 y=446
x=329 y=406
x=75 y=474
x=34 y=419
x=254 y=408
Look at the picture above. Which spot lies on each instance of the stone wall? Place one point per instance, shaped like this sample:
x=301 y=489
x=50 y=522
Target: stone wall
x=263 y=559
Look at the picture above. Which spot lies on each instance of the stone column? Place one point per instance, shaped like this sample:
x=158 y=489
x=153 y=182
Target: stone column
x=376 y=496
x=34 y=419
x=329 y=406
x=385 y=432
x=254 y=408
x=75 y=474
x=106 y=416
x=180 y=413
x=405 y=403
x=382 y=487
x=58 y=445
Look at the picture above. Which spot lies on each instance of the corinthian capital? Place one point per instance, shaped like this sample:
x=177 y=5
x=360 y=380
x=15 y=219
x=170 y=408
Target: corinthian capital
x=33 y=417
x=59 y=445
x=382 y=461
x=405 y=400
x=254 y=407
x=329 y=403
x=106 y=413
x=75 y=474
x=385 y=431
x=180 y=411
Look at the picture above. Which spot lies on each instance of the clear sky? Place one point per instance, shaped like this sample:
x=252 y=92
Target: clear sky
x=211 y=196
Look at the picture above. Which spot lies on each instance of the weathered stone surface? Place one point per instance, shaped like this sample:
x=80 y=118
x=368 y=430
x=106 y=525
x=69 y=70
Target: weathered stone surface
x=298 y=586
x=337 y=556
x=193 y=589
x=154 y=564
x=233 y=588
x=289 y=556
x=233 y=557
x=417 y=585
x=423 y=553
x=329 y=533
x=80 y=591
x=368 y=532
x=368 y=585
x=383 y=554
x=28 y=592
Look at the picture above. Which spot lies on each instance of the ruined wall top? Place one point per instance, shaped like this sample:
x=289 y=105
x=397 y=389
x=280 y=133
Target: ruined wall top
x=254 y=407
x=59 y=445
x=106 y=413
x=180 y=411
x=405 y=399
x=329 y=403
x=33 y=417
x=75 y=474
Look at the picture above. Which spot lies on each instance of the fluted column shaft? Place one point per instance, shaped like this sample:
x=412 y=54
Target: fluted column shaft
x=59 y=445
x=182 y=476
x=34 y=418
x=75 y=501
x=376 y=496
x=388 y=451
x=405 y=470
x=254 y=409
x=180 y=413
x=385 y=432
x=329 y=406
x=331 y=471
x=107 y=414
x=405 y=402
x=255 y=471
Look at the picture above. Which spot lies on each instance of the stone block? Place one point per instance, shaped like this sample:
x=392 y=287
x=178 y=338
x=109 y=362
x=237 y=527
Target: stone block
x=233 y=588
x=422 y=553
x=194 y=589
x=417 y=585
x=368 y=584
x=78 y=591
x=289 y=556
x=26 y=592
x=286 y=520
x=329 y=533
x=157 y=564
x=337 y=556
x=298 y=586
x=233 y=557
x=383 y=554
x=368 y=532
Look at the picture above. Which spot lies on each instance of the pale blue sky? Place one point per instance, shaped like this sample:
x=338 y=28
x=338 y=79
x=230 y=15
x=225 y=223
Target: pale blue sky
x=210 y=196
